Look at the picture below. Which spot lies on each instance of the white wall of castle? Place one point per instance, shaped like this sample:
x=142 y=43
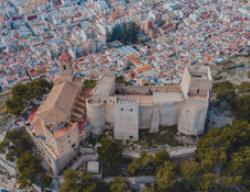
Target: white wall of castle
x=184 y=105
x=193 y=116
x=189 y=114
x=126 y=120
x=96 y=114
x=169 y=113
x=145 y=116
x=186 y=80
x=109 y=108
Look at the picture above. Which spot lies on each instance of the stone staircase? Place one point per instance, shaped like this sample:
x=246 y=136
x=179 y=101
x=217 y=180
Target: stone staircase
x=79 y=109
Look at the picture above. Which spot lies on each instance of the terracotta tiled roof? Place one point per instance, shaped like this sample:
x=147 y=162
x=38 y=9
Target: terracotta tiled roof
x=58 y=105
x=143 y=68
x=65 y=57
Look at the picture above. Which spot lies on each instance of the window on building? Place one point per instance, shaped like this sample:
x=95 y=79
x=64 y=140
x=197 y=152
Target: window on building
x=122 y=109
x=198 y=91
x=131 y=110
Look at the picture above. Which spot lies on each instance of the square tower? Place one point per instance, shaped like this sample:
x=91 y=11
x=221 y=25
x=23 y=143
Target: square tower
x=196 y=81
x=126 y=118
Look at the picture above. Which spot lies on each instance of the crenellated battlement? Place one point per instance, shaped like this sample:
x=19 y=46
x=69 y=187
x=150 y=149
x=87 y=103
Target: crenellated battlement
x=143 y=90
x=126 y=98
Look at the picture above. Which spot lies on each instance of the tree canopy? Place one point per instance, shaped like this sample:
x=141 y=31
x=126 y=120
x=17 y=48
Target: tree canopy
x=166 y=177
x=21 y=94
x=148 y=164
x=89 y=84
x=19 y=146
x=110 y=151
x=221 y=163
x=242 y=107
x=222 y=160
x=29 y=166
x=119 y=185
x=15 y=143
x=224 y=91
x=239 y=100
x=77 y=182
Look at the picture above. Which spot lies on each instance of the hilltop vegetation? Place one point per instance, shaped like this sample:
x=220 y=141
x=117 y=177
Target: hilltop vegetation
x=237 y=96
x=19 y=147
x=89 y=84
x=22 y=94
x=235 y=69
x=221 y=163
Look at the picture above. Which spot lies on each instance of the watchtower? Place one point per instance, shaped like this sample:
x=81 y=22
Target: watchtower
x=196 y=81
x=65 y=64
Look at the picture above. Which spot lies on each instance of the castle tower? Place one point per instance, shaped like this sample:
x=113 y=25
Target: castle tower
x=96 y=115
x=126 y=118
x=196 y=81
x=196 y=85
x=66 y=68
x=65 y=64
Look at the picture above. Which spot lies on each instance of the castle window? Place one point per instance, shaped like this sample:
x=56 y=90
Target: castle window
x=198 y=91
x=122 y=109
x=131 y=110
x=64 y=67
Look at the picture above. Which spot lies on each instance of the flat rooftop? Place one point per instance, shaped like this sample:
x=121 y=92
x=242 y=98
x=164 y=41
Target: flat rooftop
x=167 y=97
x=200 y=72
x=104 y=85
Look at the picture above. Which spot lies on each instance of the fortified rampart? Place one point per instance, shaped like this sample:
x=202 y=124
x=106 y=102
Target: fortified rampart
x=148 y=107
x=126 y=118
x=96 y=114
x=145 y=90
x=193 y=116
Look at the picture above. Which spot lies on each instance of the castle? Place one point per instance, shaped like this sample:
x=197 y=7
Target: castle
x=130 y=109
x=62 y=120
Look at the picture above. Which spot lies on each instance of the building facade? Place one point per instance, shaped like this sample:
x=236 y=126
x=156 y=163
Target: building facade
x=56 y=125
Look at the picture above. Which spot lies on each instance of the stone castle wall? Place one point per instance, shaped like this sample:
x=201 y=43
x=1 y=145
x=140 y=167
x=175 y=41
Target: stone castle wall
x=96 y=114
x=145 y=116
x=145 y=90
x=184 y=105
x=169 y=113
x=109 y=109
x=193 y=116
x=126 y=120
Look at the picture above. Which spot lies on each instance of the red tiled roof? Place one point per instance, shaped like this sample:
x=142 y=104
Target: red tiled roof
x=32 y=114
x=65 y=57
